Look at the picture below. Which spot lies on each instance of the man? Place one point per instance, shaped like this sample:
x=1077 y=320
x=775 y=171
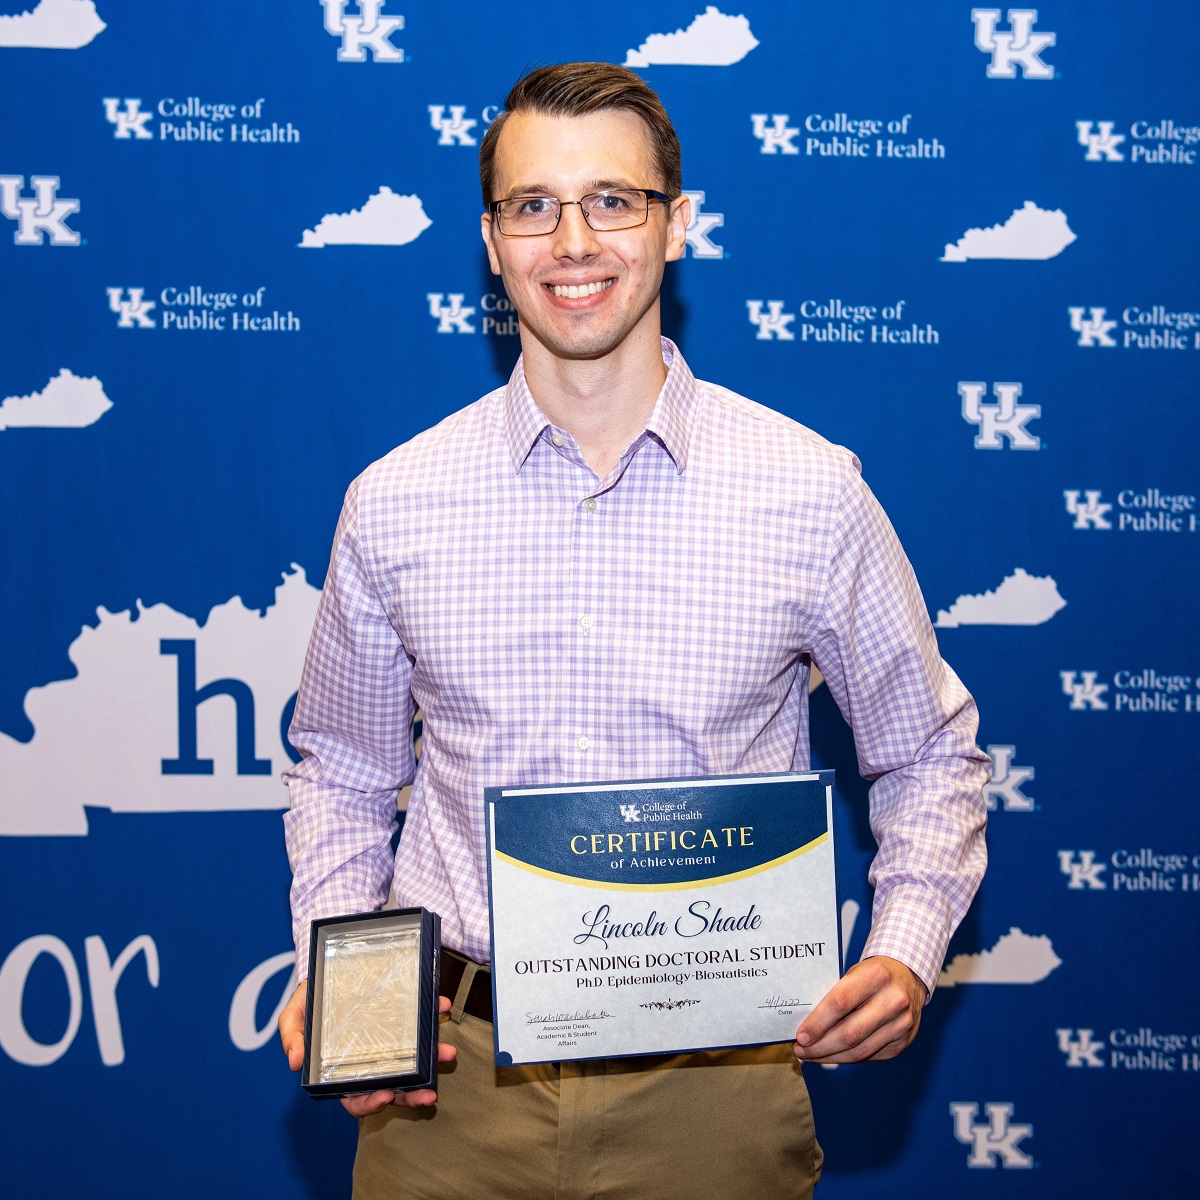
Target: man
x=610 y=570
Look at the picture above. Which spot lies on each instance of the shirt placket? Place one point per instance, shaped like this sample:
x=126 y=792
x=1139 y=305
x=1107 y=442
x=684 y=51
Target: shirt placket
x=589 y=734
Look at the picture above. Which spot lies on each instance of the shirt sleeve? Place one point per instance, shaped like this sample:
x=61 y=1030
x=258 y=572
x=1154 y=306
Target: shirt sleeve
x=914 y=730
x=352 y=727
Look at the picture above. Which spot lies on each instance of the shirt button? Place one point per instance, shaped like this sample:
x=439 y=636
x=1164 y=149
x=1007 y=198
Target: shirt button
x=583 y=742
x=585 y=623
x=556 y=438
x=590 y=505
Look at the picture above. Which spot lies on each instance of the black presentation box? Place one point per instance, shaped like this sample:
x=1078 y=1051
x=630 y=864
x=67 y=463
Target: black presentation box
x=372 y=1014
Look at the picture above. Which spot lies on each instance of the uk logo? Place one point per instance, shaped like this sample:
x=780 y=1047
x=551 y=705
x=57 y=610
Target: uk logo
x=452 y=317
x=1084 y=692
x=773 y=323
x=130 y=121
x=996 y=1140
x=1080 y=1049
x=1082 y=874
x=698 y=228
x=1090 y=513
x=1004 y=419
x=777 y=139
x=369 y=30
x=1004 y=788
x=1093 y=330
x=38 y=216
x=131 y=313
x=1102 y=145
x=631 y=813
x=1018 y=46
x=454 y=129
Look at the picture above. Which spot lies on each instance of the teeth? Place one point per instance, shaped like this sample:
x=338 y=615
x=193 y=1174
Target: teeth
x=573 y=291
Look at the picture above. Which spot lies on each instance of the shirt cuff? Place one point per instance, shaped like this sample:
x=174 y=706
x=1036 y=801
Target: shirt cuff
x=913 y=932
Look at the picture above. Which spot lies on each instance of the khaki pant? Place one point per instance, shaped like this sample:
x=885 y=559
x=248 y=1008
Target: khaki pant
x=724 y=1125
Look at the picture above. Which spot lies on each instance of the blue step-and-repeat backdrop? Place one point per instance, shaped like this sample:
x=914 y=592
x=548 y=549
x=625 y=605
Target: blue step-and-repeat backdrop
x=239 y=260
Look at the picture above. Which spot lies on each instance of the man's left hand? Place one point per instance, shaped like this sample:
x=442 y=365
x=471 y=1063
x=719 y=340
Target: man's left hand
x=872 y=1012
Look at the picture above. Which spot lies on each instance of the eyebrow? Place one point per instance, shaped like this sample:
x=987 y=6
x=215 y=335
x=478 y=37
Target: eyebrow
x=544 y=189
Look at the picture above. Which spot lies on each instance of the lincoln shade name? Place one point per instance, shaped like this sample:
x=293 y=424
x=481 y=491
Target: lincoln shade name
x=651 y=841
x=600 y=925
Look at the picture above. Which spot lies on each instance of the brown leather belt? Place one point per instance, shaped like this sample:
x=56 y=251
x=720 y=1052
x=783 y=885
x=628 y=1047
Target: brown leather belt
x=479 y=998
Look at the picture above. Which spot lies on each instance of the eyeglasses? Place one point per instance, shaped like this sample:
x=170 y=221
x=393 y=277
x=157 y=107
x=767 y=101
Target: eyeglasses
x=617 y=208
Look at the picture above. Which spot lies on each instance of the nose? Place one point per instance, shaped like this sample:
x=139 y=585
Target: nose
x=574 y=238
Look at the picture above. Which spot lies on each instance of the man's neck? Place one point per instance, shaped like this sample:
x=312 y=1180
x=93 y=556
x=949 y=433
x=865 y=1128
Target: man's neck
x=603 y=403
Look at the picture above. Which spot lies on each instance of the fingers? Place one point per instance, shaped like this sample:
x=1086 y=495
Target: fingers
x=368 y=1105
x=872 y=1032
x=291 y=1027
x=872 y=1013
x=852 y=990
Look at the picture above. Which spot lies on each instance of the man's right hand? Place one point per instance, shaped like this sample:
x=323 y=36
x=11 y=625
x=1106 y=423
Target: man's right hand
x=291 y=1026
x=291 y=1033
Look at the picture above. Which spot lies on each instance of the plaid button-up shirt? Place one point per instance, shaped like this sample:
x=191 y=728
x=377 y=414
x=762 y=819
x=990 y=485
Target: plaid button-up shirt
x=557 y=628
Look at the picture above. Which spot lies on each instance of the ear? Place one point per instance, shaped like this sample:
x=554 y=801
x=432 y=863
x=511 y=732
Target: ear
x=678 y=215
x=487 y=229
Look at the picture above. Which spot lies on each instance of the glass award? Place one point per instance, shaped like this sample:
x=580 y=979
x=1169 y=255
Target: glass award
x=372 y=1019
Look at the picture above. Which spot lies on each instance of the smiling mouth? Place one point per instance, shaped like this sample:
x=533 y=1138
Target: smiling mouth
x=571 y=291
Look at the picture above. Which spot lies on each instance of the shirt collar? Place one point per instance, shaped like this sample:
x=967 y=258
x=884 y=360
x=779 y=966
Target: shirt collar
x=671 y=420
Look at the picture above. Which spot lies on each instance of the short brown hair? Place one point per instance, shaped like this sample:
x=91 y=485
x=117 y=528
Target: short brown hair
x=576 y=89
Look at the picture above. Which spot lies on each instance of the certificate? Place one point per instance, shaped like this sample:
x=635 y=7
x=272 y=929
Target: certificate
x=648 y=918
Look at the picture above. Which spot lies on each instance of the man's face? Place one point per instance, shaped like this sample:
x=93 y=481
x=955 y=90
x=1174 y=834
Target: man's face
x=569 y=157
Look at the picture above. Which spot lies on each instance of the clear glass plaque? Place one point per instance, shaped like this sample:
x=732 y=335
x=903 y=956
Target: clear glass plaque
x=369 y=1014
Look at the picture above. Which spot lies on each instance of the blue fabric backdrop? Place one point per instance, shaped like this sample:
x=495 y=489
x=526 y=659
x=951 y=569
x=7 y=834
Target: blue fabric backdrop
x=239 y=261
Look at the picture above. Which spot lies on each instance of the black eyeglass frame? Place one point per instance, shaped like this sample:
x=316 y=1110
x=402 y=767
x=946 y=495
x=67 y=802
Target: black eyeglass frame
x=650 y=194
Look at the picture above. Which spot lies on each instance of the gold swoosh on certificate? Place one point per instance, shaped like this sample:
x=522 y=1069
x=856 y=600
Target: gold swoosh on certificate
x=685 y=885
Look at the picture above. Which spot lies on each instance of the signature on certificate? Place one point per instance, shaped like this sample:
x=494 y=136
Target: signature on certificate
x=558 y=1018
